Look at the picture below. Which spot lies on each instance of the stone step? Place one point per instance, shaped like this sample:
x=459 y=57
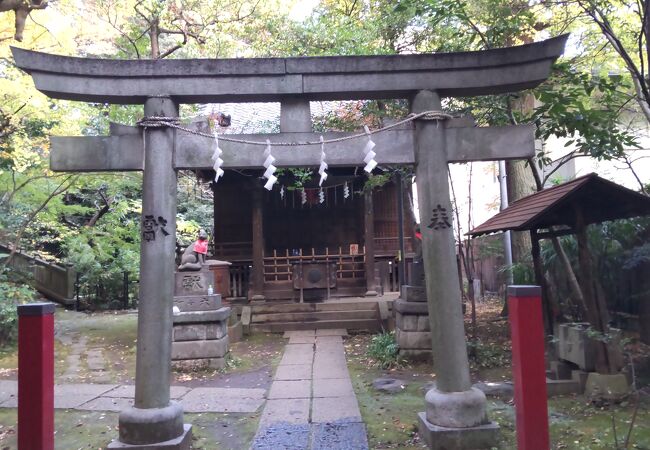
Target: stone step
x=354 y=324
x=308 y=307
x=314 y=316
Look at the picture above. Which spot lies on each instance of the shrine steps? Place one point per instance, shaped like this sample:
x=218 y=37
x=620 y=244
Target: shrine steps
x=360 y=316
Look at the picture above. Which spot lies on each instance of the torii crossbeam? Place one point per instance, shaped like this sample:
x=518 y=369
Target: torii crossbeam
x=162 y=85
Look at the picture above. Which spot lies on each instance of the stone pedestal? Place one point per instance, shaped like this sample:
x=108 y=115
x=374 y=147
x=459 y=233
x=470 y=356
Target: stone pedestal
x=412 y=326
x=200 y=333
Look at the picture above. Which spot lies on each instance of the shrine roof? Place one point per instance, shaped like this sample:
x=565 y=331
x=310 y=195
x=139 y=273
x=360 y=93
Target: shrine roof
x=271 y=79
x=599 y=199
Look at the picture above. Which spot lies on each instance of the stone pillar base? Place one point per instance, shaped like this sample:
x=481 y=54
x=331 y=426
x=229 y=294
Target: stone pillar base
x=441 y=438
x=146 y=426
x=371 y=294
x=183 y=442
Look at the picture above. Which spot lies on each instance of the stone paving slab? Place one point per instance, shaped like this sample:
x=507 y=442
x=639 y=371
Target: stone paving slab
x=82 y=389
x=299 y=358
x=335 y=387
x=302 y=340
x=329 y=338
x=128 y=391
x=335 y=409
x=289 y=334
x=324 y=371
x=339 y=436
x=106 y=404
x=333 y=332
x=286 y=410
x=298 y=348
x=293 y=372
x=290 y=389
x=282 y=436
x=236 y=400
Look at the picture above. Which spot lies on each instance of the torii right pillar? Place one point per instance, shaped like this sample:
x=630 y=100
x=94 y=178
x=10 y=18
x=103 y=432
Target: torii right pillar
x=455 y=416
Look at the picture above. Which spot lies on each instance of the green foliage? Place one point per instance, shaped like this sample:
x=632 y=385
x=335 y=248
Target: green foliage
x=13 y=292
x=486 y=355
x=585 y=109
x=384 y=350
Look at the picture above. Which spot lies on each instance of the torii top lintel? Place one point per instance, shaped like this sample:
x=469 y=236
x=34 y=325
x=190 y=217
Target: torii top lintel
x=311 y=78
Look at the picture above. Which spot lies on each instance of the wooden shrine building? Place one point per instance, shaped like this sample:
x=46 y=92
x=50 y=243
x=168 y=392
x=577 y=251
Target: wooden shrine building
x=285 y=244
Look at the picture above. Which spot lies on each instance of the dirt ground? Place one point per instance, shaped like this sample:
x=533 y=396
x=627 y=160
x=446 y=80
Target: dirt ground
x=575 y=423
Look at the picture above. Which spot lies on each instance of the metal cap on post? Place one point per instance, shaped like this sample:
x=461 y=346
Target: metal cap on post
x=36 y=376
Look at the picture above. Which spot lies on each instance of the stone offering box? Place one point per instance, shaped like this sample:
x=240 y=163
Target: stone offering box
x=576 y=346
x=200 y=334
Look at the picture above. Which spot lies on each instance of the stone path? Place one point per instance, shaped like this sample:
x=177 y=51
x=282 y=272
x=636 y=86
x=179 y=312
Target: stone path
x=113 y=397
x=311 y=403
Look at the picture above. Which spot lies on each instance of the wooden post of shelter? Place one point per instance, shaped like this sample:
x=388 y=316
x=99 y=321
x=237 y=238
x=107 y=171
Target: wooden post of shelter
x=257 y=293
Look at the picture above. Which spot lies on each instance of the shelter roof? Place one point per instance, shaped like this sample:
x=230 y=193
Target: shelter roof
x=599 y=199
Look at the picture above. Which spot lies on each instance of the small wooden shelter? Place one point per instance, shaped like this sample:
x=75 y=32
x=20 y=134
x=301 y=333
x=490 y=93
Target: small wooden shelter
x=567 y=209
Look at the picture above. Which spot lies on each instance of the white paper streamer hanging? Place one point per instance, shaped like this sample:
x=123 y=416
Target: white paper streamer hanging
x=270 y=168
x=303 y=196
x=321 y=196
x=369 y=155
x=216 y=157
x=323 y=164
x=346 y=190
x=282 y=192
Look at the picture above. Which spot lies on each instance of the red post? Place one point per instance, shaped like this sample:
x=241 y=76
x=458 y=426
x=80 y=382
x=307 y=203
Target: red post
x=36 y=376
x=529 y=371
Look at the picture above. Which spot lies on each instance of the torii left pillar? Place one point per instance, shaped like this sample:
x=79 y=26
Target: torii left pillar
x=155 y=420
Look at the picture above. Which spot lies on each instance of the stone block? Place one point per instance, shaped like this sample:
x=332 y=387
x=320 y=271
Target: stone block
x=404 y=307
x=423 y=323
x=219 y=315
x=216 y=348
x=413 y=294
x=442 y=438
x=335 y=387
x=574 y=345
x=407 y=322
x=236 y=332
x=193 y=365
x=607 y=387
x=193 y=332
x=413 y=339
x=419 y=355
x=197 y=302
x=193 y=283
x=560 y=370
x=562 y=387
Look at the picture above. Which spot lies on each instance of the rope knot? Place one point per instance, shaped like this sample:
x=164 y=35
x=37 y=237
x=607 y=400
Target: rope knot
x=158 y=122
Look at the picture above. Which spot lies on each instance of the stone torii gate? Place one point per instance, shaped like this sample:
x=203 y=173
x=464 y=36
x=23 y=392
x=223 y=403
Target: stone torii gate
x=454 y=410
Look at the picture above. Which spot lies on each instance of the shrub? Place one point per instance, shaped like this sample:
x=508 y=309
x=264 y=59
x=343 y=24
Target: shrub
x=384 y=350
x=11 y=294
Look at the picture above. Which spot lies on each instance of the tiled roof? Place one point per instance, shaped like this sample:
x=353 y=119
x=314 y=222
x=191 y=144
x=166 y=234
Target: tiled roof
x=599 y=199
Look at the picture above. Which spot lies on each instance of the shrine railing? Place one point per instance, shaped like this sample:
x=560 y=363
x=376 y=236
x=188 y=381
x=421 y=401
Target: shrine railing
x=279 y=266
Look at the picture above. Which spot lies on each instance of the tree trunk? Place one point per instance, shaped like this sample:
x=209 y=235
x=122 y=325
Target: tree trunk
x=520 y=184
x=154 y=35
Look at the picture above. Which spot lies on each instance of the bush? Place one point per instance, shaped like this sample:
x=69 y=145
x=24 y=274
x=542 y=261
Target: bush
x=11 y=295
x=384 y=350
